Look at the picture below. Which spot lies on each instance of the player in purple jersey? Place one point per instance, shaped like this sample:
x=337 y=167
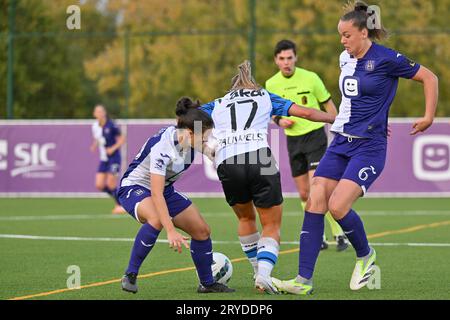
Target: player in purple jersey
x=108 y=139
x=147 y=193
x=356 y=157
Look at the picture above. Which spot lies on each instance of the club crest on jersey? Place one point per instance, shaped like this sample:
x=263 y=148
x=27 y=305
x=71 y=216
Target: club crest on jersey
x=370 y=65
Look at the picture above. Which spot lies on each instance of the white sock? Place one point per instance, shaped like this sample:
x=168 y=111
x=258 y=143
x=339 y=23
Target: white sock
x=249 y=245
x=267 y=256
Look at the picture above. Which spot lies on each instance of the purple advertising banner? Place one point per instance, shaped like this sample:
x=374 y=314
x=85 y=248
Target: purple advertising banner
x=48 y=158
x=52 y=158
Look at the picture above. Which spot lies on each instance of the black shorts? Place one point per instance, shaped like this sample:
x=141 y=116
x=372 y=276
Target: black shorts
x=305 y=151
x=251 y=176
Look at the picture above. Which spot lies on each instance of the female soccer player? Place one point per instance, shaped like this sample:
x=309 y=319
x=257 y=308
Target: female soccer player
x=108 y=139
x=246 y=168
x=148 y=195
x=356 y=157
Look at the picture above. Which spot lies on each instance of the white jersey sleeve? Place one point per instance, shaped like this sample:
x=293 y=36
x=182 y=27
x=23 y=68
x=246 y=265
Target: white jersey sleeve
x=97 y=134
x=161 y=156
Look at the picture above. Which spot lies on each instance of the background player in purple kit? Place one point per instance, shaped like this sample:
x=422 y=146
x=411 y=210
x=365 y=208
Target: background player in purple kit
x=147 y=193
x=108 y=139
x=356 y=157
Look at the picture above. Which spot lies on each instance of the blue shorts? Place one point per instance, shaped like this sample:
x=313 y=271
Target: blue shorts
x=131 y=196
x=112 y=165
x=359 y=160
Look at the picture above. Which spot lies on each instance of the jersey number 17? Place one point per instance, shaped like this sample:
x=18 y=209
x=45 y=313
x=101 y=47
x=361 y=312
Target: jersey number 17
x=232 y=107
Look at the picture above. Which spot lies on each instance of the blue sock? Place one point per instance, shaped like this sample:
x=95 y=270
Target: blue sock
x=310 y=242
x=354 y=230
x=143 y=244
x=112 y=193
x=201 y=252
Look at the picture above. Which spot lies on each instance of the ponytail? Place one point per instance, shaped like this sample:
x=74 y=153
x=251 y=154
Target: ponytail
x=244 y=78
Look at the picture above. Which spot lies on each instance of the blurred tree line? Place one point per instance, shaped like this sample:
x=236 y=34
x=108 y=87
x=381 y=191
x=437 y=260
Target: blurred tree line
x=138 y=57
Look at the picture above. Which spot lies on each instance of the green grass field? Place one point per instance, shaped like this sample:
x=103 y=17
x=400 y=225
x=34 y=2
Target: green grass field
x=411 y=236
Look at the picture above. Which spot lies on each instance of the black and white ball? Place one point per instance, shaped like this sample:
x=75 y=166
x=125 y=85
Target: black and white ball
x=222 y=269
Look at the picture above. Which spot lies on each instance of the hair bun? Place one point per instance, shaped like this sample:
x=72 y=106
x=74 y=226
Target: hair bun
x=184 y=104
x=360 y=6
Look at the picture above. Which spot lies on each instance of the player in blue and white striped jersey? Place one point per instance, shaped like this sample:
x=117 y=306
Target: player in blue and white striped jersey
x=148 y=195
x=356 y=157
x=247 y=169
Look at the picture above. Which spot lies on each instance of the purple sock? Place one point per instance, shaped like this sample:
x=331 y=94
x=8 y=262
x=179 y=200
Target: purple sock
x=112 y=193
x=310 y=242
x=143 y=244
x=201 y=252
x=353 y=228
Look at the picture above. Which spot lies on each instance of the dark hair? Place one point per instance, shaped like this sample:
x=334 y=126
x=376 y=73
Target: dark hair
x=284 y=45
x=359 y=15
x=188 y=113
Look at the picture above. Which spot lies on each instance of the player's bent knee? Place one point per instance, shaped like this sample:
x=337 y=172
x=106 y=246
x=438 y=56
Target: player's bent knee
x=203 y=232
x=337 y=210
x=317 y=204
x=151 y=220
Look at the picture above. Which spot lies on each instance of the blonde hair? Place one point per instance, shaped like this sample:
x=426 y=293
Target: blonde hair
x=349 y=6
x=244 y=79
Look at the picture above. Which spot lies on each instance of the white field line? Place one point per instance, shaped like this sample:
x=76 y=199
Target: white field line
x=31 y=237
x=220 y=214
x=62 y=217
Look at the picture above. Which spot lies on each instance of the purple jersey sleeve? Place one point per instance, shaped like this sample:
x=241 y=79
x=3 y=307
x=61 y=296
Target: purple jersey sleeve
x=115 y=130
x=280 y=106
x=402 y=67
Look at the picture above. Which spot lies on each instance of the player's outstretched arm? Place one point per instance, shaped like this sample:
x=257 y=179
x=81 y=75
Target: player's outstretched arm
x=311 y=114
x=431 y=90
x=176 y=240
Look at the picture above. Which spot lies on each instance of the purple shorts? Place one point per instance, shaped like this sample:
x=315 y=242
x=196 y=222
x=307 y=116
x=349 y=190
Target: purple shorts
x=359 y=160
x=131 y=196
x=110 y=166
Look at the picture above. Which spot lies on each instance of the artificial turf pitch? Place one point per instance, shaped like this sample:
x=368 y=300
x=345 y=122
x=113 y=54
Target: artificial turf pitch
x=411 y=237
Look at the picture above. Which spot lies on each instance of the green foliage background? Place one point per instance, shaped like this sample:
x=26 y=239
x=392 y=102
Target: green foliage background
x=192 y=47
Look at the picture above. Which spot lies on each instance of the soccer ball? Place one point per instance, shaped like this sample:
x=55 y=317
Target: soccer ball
x=222 y=269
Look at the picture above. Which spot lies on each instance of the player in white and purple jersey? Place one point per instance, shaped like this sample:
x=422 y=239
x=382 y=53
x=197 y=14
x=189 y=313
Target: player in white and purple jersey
x=356 y=157
x=247 y=169
x=148 y=195
x=108 y=139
